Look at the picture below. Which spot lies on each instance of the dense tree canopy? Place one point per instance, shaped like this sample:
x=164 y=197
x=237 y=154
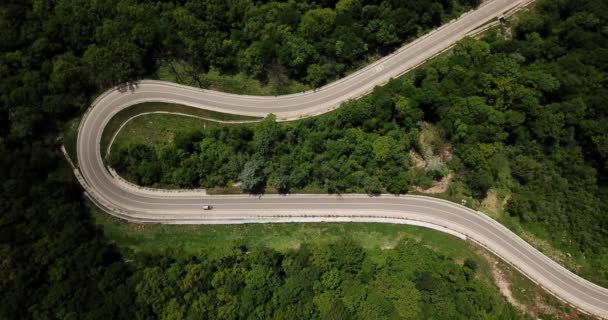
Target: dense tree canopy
x=111 y=41
x=54 y=55
x=358 y=148
x=524 y=109
x=526 y=113
x=322 y=281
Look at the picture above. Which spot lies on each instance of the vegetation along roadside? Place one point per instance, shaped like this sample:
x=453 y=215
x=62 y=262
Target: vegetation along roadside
x=57 y=55
x=517 y=114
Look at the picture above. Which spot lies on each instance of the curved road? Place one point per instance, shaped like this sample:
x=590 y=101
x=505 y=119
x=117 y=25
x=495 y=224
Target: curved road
x=141 y=205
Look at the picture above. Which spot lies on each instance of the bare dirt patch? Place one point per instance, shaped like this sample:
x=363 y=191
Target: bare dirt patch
x=491 y=201
x=504 y=285
x=446 y=152
x=440 y=186
x=505 y=201
x=170 y=136
x=493 y=205
x=490 y=204
x=391 y=243
x=418 y=160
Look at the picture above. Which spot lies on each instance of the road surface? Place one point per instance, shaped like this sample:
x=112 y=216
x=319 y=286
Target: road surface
x=154 y=206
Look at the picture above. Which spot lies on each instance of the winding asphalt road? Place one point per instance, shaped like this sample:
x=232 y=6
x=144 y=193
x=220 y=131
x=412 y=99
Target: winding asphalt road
x=158 y=206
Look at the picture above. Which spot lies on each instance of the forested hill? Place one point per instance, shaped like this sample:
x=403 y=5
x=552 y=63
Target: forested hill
x=523 y=111
x=56 y=55
x=528 y=113
x=108 y=42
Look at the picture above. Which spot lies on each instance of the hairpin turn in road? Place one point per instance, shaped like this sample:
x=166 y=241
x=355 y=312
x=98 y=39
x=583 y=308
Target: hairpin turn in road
x=157 y=206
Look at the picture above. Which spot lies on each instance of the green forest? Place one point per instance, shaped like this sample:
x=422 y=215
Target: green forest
x=524 y=111
x=336 y=281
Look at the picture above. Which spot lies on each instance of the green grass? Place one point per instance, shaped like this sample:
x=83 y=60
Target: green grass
x=522 y=288
x=154 y=129
x=142 y=132
x=155 y=238
x=180 y=72
x=119 y=119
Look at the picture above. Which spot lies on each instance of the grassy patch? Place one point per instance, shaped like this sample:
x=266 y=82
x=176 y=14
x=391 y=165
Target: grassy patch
x=229 y=189
x=154 y=238
x=494 y=203
x=431 y=140
x=181 y=72
x=154 y=129
x=119 y=119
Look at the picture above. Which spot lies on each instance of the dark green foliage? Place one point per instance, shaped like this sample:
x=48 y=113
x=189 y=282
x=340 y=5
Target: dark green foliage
x=527 y=113
x=55 y=262
x=54 y=56
x=140 y=160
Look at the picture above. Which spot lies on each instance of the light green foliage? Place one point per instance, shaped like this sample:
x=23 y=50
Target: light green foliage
x=350 y=7
x=298 y=52
x=383 y=148
x=154 y=289
x=317 y=73
x=173 y=310
x=410 y=114
x=403 y=294
x=252 y=59
x=471 y=51
x=269 y=284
